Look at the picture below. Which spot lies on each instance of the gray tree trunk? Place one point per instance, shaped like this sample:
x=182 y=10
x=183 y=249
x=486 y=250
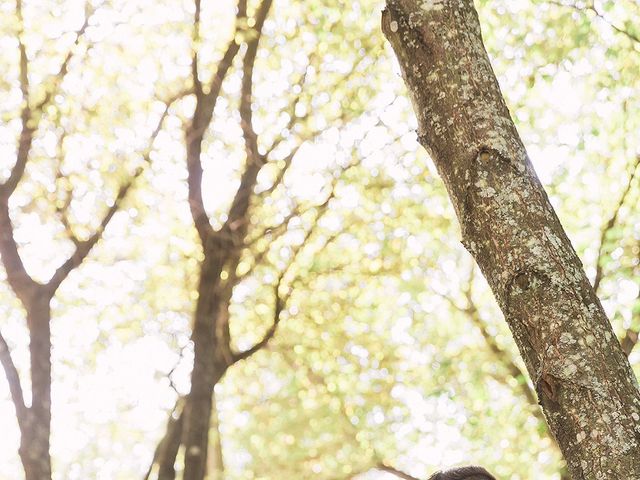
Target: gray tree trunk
x=583 y=380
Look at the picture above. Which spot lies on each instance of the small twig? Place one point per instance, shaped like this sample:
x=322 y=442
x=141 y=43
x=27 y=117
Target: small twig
x=611 y=223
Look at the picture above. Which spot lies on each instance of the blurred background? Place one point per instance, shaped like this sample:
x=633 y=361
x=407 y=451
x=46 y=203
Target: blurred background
x=390 y=355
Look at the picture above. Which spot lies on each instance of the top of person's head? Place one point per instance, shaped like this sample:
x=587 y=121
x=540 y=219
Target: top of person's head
x=463 y=473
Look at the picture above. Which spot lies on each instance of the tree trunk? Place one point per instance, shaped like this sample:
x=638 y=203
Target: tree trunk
x=208 y=367
x=216 y=460
x=583 y=379
x=36 y=429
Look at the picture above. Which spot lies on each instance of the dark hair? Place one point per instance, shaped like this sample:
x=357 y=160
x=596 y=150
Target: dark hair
x=463 y=473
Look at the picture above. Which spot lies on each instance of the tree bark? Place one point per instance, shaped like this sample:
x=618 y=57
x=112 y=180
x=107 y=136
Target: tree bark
x=209 y=365
x=216 y=459
x=35 y=421
x=35 y=434
x=583 y=379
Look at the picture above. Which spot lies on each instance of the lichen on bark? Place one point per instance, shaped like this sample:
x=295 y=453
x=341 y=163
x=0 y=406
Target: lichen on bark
x=583 y=380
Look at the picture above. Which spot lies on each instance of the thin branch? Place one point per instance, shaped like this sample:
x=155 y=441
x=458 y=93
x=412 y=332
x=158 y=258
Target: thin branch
x=83 y=247
x=174 y=368
x=591 y=7
x=57 y=78
x=202 y=115
x=236 y=221
x=197 y=84
x=63 y=205
x=24 y=61
x=20 y=281
x=471 y=310
x=632 y=334
x=288 y=161
x=246 y=89
x=275 y=231
x=27 y=129
x=295 y=212
x=611 y=223
x=167 y=449
x=279 y=305
x=13 y=379
x=631 y=36
x=291 y=111
x=629 y=341
x=394 y=471
x=29 y=121
x=281 y=301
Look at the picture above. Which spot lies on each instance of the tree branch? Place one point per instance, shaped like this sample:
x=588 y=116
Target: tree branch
x=166 y=452
x=610 y=224
x=631 y=335
x=26 y=133
x=394 y=471
x=64 y=66
x=30 y=122
x=236 y=221
x=291 y=111
x=279 y=305
x=83 y=247
x=197 y=84
x=202 y=115
x=13 y=379
x=281 y=302
x=592 y=8
x=20 y=281
x=62 y=205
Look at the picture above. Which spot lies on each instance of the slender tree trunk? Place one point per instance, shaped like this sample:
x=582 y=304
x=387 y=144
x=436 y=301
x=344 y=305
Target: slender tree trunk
x=583 y=379
x=216 y=460
x=36 y=429
x=208 y=367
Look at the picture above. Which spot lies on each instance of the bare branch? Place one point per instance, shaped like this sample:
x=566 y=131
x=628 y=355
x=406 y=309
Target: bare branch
x=278 y=230
x=394 y=471
x=501 y=354
x=611 y=223
x=30 y=121
x=19 y=280
x=83 y=247
x=236 y=221
x=166 y=452
x=24 y=61
x=288 y=161
x=470 y=309
x=57 y=78
x=13 y=379
x=631 y=36
x=629 y=341
x=197 y=84
x=281 y=301
x=246 y=116
x=62 y=205
x=279 y=305
x=27 y=129
x=592 y=8
x=631 y=335
x=202 y=115
x=291 y=111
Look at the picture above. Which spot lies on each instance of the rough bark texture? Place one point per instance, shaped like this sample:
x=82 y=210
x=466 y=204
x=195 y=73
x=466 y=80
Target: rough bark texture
x=583 y=379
